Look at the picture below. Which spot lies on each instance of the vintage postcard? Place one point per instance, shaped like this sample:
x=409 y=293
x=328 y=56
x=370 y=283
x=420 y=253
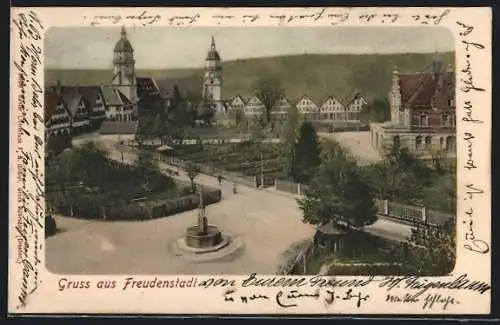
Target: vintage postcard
x=260 y=161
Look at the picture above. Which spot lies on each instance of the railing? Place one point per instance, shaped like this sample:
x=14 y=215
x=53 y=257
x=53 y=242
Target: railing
x=398 y=212
x=299 y=264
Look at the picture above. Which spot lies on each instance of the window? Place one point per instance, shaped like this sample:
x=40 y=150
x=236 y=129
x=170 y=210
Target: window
x=450 y=101
x=441 y=141
x=445 y=119
x=418 y=142
x=428 y=142
x=423 y=120
x=397 y=141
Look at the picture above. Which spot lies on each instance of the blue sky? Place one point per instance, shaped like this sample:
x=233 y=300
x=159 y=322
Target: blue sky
x=169 y=47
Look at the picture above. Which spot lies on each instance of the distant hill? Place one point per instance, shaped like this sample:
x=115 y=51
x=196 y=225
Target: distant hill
x=315 y=75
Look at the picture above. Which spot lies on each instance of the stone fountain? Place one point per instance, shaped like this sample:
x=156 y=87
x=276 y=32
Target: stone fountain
x=203 y=237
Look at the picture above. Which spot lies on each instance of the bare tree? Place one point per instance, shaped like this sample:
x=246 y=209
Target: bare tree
x=268 y=90
x=192 y=171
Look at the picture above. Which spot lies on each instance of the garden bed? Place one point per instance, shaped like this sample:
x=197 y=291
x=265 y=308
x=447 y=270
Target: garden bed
x=84 y=183
x=240 y=158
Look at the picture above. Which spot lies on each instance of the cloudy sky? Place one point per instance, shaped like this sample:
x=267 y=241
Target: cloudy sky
x=167 y=47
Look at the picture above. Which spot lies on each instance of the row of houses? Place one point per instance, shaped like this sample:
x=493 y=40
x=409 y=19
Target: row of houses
x=329 y=108
x=77 y=109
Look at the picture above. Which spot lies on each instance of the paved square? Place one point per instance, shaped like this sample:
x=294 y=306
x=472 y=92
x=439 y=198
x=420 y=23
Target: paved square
x=267 y=223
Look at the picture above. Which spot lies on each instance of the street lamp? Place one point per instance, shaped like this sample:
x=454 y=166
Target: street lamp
x=261 y=170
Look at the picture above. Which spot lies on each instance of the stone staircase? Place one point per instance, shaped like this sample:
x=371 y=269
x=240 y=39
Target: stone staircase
x=115 y=127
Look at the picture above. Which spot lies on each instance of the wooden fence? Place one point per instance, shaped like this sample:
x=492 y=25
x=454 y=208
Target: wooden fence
x=299 y=264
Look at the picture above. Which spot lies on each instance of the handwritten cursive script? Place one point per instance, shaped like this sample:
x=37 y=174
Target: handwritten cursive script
x=30 y=172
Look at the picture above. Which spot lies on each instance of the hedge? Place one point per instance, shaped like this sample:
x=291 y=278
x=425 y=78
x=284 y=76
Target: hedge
x=141 y=210
x=369 y=269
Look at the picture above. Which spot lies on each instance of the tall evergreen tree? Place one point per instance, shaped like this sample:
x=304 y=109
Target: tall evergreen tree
x=290 y=133
x=306 y=154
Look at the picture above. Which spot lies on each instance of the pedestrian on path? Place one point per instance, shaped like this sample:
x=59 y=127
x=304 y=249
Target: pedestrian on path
x=234 y=188
x=219 y=179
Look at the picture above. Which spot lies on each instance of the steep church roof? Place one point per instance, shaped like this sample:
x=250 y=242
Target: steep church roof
x=213 y=55
x=123 y=45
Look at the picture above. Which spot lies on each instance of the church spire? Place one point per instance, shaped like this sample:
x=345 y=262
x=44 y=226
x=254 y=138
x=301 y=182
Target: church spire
x=213 y=44
x=124 y=33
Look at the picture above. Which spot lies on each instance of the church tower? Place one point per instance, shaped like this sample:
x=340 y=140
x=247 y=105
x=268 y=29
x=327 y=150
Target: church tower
x=212 y=80
x=124 y=77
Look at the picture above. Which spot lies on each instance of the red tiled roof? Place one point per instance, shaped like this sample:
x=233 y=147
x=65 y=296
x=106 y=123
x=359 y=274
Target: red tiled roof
x=422 y=89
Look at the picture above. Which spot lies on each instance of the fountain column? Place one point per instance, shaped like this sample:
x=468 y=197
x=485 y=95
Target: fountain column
x=202 y=218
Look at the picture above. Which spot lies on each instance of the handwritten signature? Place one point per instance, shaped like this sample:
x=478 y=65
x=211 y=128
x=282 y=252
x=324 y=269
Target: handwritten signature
x=289 y=299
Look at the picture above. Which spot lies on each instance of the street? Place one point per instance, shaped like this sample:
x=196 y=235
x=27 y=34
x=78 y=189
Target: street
x=268 y=222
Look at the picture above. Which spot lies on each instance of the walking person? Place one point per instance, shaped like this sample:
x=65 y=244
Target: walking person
x=219 y=179
x=234 y=188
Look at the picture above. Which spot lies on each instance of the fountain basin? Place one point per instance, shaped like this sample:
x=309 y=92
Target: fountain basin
x=211 y=238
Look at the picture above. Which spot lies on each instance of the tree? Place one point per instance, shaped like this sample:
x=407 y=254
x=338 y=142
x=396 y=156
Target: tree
x=433 y=251
x=192 y=171
x=207 y=113
x=390 y=178
x=157 y=126
x=179 y=116
x=291 y=129
x=376 y=111
x=268 y=90
x=56 y=144
x=148 y=168
x=441 y=195
x=84 y=164
x=338 y=193
x=140 y=134
x=306 y=154
x=237 y=116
